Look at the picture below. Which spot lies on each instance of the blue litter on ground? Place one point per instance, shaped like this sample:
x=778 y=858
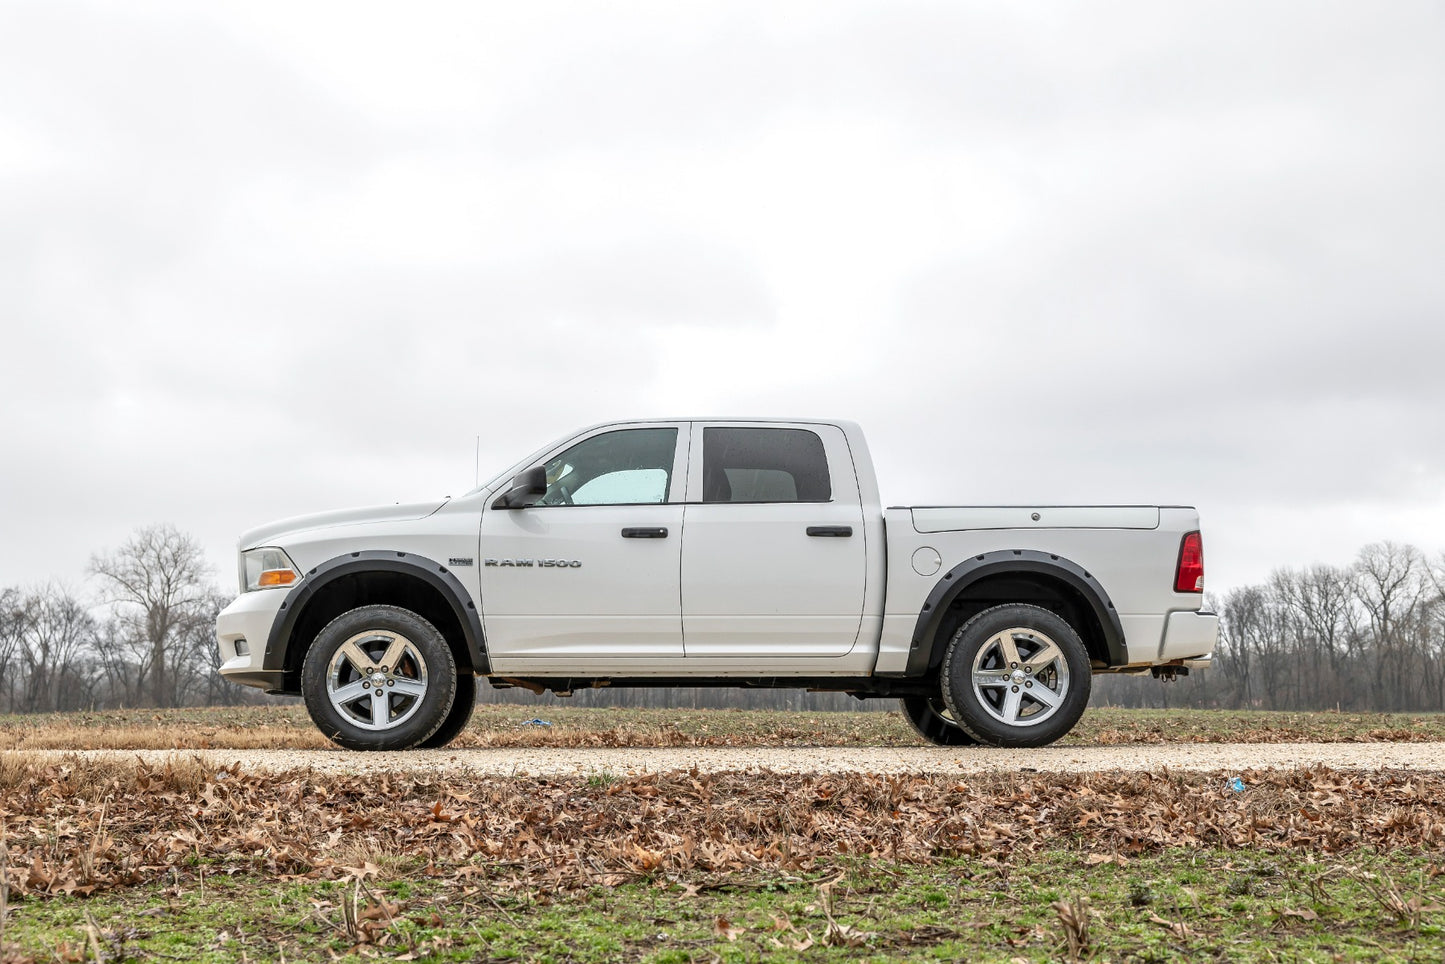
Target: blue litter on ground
x=1236 y=784
x=536 y=723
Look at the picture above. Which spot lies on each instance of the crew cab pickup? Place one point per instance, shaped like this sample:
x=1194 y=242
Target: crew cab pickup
x=713 y=552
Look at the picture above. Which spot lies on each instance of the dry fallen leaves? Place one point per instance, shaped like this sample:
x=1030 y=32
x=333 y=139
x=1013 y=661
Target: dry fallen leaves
x=79 y=827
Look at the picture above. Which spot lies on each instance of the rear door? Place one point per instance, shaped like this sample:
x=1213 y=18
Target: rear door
x=773 y=559
x=593 y=568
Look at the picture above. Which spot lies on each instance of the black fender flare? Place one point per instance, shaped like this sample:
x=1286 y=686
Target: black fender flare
x=1003 y=561
x=427 y=570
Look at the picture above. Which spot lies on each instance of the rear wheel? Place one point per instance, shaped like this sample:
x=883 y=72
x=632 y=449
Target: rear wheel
x=1016 y=675
x=931 y=719
x=379 y=678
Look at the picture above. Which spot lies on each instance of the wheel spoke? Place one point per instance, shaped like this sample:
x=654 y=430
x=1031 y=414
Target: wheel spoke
x=409 y=687
x=1046 y=696
x=1011 y=703
x=394 y=653
x=990 y=677
x=356 y=656
x=1045 y=656
x=1007 y=648
x=351 y=691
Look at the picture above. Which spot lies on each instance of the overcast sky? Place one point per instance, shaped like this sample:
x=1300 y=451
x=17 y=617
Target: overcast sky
x=264 y=259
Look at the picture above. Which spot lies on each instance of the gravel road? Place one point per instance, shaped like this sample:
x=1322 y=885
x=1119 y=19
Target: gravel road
x=1231 y=757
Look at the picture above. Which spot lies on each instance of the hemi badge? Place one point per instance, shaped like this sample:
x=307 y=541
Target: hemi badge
x=454 y=562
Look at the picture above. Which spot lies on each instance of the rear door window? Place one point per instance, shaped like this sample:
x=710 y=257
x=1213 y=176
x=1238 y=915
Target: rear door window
x=764 y=465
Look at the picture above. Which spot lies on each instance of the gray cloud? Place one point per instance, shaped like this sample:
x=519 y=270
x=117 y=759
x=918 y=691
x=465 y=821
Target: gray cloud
x=259 y=261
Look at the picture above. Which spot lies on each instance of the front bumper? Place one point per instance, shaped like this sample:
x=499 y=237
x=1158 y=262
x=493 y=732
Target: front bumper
x=242 y=629
x=1189 y=635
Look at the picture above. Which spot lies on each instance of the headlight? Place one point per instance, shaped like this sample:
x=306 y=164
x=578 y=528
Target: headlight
x=267 y=568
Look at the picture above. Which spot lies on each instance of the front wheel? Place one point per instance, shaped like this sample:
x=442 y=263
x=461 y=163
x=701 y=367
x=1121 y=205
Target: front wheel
x=931 y=719
x=379 y=678
x=1017 y=676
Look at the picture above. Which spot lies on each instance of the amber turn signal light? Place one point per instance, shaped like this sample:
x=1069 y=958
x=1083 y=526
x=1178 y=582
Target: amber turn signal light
x=277 y=577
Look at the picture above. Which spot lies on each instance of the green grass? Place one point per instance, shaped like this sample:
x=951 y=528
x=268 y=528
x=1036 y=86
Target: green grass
x=501 y=725
x=1175 y=905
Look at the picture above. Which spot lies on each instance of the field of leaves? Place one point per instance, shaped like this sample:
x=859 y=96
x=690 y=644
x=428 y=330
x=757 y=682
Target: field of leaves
x=116 y=862
x=107 y=861
x=503 y=725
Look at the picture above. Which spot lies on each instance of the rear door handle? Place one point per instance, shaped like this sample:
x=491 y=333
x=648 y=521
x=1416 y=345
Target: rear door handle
x=645 y=532
x=837 y=532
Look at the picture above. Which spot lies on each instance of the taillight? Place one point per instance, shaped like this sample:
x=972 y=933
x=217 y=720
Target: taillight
x=1189 y=576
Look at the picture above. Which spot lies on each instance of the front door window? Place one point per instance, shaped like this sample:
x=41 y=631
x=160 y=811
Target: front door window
x=629 y=467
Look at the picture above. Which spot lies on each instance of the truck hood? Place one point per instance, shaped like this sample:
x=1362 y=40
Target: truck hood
x=400 y=512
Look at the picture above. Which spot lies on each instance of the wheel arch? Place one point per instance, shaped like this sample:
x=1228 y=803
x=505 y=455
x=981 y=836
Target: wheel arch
x=371 y=577
x=1017 y=576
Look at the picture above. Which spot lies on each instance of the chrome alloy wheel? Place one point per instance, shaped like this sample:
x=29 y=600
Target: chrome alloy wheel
x=1020 y=677
x=376 y=679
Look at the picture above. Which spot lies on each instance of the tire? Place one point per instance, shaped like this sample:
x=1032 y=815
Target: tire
x=461 y=712
x=1016 y=676
x=931 y=719
x=379 y=649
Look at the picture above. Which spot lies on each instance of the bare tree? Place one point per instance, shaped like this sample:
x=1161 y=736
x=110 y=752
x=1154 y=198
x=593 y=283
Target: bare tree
x=13 y=617
x=1435 y=632
x=124 y=660
x=55 y=637
x=200 y=666
x=158 y=586
x=1393 y=586
x=1248 y=630
x=1324 y=615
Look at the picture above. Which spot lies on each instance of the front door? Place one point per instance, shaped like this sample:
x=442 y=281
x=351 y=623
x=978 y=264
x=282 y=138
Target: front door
x=592 y=569
x=773 y=564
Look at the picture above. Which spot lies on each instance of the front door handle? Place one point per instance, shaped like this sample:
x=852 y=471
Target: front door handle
x=837 y=532
x=645 y=532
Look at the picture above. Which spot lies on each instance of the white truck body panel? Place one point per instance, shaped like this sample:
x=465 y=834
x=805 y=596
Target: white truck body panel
x=1134 y=563
x=754 y=584
x=958 y=518
x=622 y=602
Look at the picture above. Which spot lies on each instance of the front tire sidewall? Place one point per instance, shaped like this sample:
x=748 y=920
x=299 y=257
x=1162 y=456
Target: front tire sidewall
x=463 y=704
x=957 y=676
x=436 y=702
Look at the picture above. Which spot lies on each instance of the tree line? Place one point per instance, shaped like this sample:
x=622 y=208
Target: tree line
x=144 y=636
x=1369 y=636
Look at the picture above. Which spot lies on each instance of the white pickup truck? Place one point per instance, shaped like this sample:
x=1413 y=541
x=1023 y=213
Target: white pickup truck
x=717 y=552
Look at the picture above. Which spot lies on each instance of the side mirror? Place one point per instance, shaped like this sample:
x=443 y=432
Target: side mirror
x=526 y=489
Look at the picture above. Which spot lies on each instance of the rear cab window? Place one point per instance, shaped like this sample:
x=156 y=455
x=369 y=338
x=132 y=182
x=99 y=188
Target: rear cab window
x=764 y=464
